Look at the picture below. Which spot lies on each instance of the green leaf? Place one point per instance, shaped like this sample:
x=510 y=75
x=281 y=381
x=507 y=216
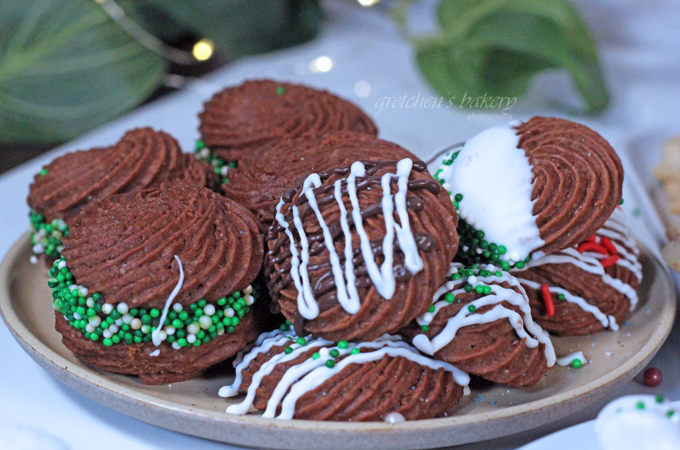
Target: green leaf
x=495 y=47
x=66 y=67
x=240 y=27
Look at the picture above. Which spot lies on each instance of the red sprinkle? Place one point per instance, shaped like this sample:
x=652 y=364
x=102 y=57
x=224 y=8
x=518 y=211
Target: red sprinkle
x=610 y=261
x=652 y=377
x=609 y=245
x=591 y=246
x=547 y=299
x=592 y=239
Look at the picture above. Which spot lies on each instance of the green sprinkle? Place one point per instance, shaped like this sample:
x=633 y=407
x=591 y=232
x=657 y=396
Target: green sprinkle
x=288 y=351
x=44 y=172
x=472 y=308
x=154 y=313
x=458 y=197
x=330 y=363
x=425 y=328
x=640 y=405
x=487 y=290
x=659 y=398
x=576 y=363
x=355 y=351
x=301 y=341
x=280 y=90
x=334 y=353
x=520 y=264
x=449 y=297
x=560 y=296
x=343 y=344
x=502 y=249
x=670 y=413
x=316 y=356
x=479 y=289
x=621 y=202
x=468 y=287
x=431 y=309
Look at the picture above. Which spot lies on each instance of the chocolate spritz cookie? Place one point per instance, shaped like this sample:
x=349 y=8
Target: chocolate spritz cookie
x=291 y=377
x=142 y=159
x=586 y=288
x=358 y=251
x=257 y=113
x=528 y=189
x=480 y=321
x=159 y=283
x=262 y=177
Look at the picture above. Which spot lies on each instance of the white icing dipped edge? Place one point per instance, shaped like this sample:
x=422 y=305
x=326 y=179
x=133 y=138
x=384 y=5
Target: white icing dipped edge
x=383 y=277
x=311 y=373
x=623 y=425
x=524 y=325
x=504 y=214
x=156 y=334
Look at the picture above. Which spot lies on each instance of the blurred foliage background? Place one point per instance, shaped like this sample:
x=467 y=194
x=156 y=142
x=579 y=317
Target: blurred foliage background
x=67 y=66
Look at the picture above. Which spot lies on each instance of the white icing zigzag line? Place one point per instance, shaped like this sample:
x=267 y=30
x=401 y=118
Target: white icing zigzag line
x=606 y=321
x=314 y=372
x=464 y=317
x=589 y=264
x=382 y=278
x=311 y=309
x=155 y=335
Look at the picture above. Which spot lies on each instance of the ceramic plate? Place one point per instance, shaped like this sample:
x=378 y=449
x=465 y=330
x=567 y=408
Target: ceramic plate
x=193 y=407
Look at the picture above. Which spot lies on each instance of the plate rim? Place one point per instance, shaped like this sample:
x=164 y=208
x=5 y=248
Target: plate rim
x=125 y=399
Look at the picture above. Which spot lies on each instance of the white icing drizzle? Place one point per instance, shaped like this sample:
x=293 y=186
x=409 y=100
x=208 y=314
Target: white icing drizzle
x=606 y=321
x=155 y=352
x=524 y=325
x=311 y=373
x=567 y=360
x=588 y=264
x=639 y=422
x=155 y=335
x=505 y=215
x=383 y=277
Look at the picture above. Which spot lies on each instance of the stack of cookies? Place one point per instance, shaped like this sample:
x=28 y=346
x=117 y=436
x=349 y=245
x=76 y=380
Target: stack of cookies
x=351 y=284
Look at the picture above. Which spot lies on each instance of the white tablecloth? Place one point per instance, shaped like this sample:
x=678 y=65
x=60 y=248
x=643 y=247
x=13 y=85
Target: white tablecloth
x=640 y=47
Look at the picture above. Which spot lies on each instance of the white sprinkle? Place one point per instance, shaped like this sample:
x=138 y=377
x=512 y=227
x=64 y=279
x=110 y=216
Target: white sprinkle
x=90 y=303
x=83 y=291
x=224 y=170
x=193 y=328
x=177 y=307
x=114 y=328
x=191 y=338
x=209 y=310
x=170 y=330
x=61 y=264
x=127 y=318
x=204 y=153
x=107 y=308
x=229 y=312
x=249 y=299
x=38 y=249
x=119 y=322
x=146 y=328
x=162 y=335
x=175 y=345
x=33 y=259
x=467 y=391
x=205 y=322
x=107 y=334
x=95 y=321
x=220 y=332
x=394 y=417
x=136 y=324
x=77 y=316
x=123 y=308
x=89 y=328
x=155 y=352
x=472 y=280
x=248 y=290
